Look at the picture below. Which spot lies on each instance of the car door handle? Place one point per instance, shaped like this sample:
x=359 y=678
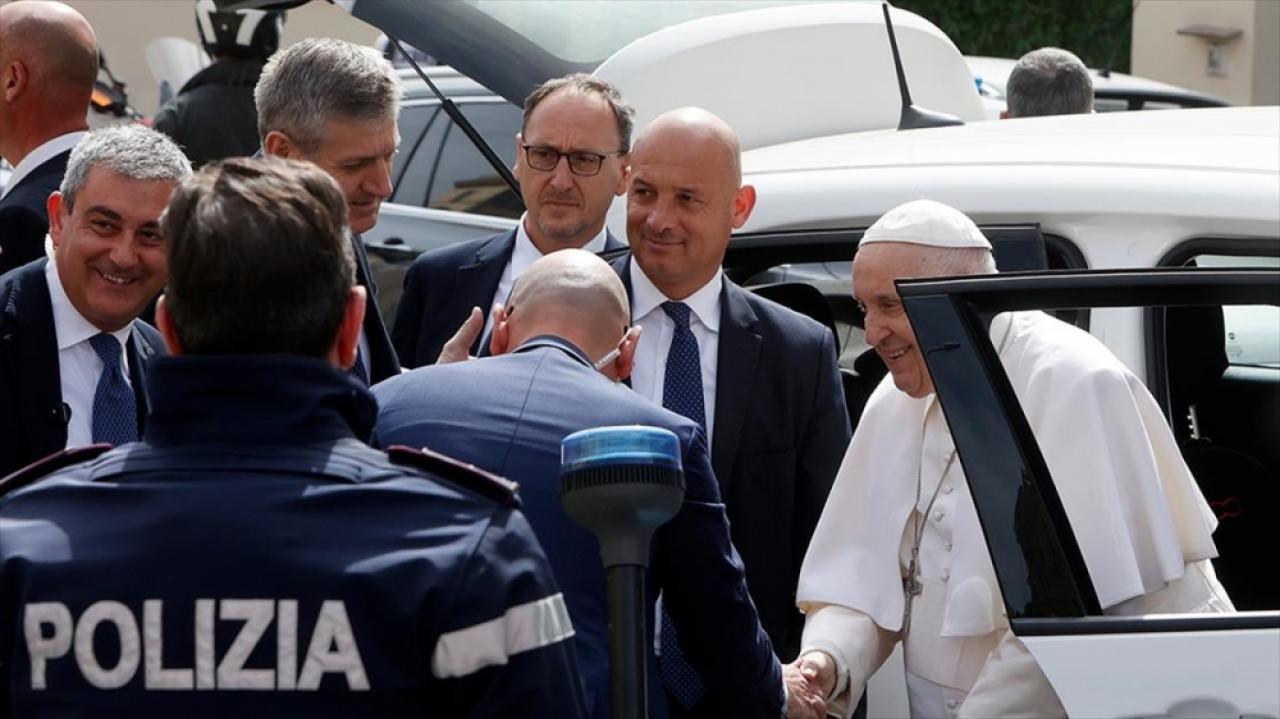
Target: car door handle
x=393 y=241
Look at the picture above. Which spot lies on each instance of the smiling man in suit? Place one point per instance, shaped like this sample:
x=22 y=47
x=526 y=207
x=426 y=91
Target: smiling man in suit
x=760 y=378
x=72 y=353
x=48 y=62
x=571 y=161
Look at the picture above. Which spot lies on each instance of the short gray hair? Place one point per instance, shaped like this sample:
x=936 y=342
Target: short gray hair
x=1049 y=81
x=132 y=151
x=319 y=79
x=585 y=84
x=956 y=261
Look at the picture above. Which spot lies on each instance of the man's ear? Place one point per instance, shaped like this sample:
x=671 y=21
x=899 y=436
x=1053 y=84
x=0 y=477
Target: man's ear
x=347 y=343
x=278 y=144
x=57 y=221
x=623 y=176
x=517 y=167
x=500 y=338
x=164 y=323
x=627 y=353
x=13 y=80
x=744 y=200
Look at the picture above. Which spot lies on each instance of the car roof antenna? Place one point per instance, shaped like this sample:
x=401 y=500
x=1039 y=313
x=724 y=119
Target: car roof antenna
x=463 y=124
x=913 y=117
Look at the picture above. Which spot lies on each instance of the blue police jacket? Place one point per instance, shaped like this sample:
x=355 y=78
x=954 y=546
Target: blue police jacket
x=253 y=557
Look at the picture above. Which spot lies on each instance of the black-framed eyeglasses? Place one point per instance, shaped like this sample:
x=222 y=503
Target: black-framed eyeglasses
x=583 y=163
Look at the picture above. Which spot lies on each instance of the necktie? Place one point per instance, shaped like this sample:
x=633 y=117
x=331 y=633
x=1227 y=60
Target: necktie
x=115 y=412
x=682 y=394
x=357 y=369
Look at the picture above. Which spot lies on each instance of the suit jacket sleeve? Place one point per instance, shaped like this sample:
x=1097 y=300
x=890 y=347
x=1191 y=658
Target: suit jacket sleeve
x=705 y=591
x=408 y=322
x=22 y=232
x=822 y=448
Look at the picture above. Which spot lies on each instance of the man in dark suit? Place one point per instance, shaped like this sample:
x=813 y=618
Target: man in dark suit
x=335 y=103
x=571 y=161
x=507 y=414
x=72 y=353
x=48 y=62
x=767 y=376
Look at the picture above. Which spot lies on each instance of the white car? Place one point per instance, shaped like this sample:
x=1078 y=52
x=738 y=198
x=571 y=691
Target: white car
x=1114 y=206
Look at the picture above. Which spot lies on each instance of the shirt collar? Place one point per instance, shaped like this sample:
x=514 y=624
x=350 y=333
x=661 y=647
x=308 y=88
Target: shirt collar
x=42 y=154
x=69 y=326
x=704 y=303
x=525 y=253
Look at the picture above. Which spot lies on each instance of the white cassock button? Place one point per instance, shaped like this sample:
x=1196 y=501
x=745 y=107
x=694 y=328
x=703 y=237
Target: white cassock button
x=938 y=515
x=952 y=703
x=947 y=489
x=946 y=576
x=947 y=546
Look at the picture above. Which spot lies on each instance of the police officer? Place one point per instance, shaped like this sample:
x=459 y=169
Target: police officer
x=213 y=116
x=252 y=556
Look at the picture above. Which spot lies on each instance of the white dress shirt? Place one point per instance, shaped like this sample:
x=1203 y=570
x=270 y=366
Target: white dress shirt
x=42 y=154
x=650 y=369
x=526 y=253
x=78 y=364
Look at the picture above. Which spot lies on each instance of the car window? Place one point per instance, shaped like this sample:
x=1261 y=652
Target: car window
x=413 y=124
x=464 y=181
x=415 y=176
x=1251 y=332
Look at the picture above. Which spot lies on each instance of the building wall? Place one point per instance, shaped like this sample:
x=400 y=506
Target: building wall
x=1266 y=54
x=1252 y=61
x=124 y=27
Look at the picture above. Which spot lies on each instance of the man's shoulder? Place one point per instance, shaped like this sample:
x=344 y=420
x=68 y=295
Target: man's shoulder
x=59 y=463
x=19 y=280
x=786 y=323
x=459 y=254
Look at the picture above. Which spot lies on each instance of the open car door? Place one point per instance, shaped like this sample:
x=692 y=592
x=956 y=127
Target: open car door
x=1100 y=666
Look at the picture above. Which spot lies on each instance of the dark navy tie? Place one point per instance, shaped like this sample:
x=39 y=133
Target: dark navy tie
x=682 y=394
x=115 y=412
x=358 y=370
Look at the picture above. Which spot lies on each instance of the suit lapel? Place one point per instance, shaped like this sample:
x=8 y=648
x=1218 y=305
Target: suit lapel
x=141 y=352
x=32 y=349
x=476 y=282
x=735 y=374
x=611 y=243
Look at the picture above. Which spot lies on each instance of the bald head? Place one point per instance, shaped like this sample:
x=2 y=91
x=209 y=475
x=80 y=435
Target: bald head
x=48 y=63
x=571 y=294
x=693 y=126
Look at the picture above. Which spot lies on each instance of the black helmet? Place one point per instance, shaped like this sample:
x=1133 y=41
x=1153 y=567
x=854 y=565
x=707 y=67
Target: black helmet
x=242 y=33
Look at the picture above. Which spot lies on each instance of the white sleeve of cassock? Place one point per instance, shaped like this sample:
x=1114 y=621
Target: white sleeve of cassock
x=854 y=641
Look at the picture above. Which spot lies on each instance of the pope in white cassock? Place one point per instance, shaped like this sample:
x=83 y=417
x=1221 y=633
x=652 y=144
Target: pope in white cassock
x=898 y=554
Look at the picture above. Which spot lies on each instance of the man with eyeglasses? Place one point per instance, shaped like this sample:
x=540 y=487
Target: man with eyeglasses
x=565 y=332
x=571 y=160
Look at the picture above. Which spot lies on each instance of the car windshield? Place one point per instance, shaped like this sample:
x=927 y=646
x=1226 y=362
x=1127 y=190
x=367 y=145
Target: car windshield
x=588 y=31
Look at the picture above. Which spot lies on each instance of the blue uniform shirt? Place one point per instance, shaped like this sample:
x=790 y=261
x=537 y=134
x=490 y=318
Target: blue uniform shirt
x=253 y=557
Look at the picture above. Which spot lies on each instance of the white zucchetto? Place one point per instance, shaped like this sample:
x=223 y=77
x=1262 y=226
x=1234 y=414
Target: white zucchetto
x=925 y=222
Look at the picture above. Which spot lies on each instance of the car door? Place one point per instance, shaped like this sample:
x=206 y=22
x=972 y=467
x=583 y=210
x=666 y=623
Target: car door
x=1165 y=665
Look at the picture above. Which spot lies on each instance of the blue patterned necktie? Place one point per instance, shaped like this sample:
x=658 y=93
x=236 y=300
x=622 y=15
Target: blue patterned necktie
x=115 y=412
x=682 y=394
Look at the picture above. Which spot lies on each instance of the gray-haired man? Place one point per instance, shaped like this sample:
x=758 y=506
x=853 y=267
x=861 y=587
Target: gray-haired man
x=1048 y=81
x=335 y=104
x=73 y=354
